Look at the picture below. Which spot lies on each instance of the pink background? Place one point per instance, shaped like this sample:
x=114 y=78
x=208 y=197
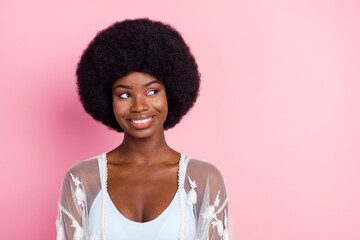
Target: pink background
x=278 y=111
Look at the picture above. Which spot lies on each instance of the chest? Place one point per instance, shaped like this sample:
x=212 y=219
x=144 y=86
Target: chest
x=141 y=194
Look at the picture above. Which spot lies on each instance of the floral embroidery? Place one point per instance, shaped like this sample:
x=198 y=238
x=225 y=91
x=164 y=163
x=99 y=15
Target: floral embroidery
x=79 y=193
x=79 y=233
x=210 y=215
x=219 y=226
x=192 y=196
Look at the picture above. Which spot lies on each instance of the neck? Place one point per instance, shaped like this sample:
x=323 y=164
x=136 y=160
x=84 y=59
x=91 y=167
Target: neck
x=143 y=151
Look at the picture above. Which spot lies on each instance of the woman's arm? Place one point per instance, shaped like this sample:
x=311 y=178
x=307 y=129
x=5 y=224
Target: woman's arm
x=210 y=201
x=71 y=209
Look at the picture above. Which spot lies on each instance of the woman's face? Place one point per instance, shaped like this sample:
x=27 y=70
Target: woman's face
x=140 y=104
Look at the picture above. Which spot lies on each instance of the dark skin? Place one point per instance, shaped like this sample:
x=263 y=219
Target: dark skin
x=143 y=169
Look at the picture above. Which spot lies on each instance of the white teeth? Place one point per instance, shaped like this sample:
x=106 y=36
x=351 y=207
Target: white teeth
x=141 y=121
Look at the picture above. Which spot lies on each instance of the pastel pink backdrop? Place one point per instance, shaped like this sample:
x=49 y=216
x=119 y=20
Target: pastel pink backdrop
x=278 y=111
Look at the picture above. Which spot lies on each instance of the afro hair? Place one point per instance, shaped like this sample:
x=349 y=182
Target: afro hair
x=137 y=45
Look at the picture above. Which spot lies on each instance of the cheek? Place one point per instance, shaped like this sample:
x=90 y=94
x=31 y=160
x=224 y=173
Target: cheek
x=118 y=110
x=165 y=109
x=161 y=106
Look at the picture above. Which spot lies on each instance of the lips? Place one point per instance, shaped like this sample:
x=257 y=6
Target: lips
x=141 y=122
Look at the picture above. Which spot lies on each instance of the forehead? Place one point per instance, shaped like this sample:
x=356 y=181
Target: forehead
x=136 y=79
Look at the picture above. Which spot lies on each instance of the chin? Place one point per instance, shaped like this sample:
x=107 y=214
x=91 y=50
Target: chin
x=144 y=133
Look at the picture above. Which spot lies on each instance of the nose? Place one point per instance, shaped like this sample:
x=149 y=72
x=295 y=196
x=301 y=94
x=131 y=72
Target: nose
x=139 y=104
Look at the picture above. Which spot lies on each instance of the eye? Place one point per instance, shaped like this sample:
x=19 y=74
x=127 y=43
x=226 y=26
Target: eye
x=124 y=95
x=152 y=92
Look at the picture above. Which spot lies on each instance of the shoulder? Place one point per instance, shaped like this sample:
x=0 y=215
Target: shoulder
x=83 y=173
x=205 y=170
x=81 y=183
x=83 y=167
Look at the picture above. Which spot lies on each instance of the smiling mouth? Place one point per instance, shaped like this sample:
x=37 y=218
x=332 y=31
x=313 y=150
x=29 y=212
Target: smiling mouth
x=142 y=123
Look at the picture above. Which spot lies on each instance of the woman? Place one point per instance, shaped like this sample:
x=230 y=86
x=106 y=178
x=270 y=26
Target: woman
x=139 y=77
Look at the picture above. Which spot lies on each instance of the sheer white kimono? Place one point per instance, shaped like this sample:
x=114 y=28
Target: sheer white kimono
x=203 y=185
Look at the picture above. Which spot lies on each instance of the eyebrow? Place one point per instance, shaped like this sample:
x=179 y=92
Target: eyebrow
x=144 y=85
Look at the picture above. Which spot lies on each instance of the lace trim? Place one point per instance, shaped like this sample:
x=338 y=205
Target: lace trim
x=181 y=196
x=104 y=190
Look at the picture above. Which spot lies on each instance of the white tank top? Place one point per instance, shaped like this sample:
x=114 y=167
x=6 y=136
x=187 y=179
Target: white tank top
x=165 y=227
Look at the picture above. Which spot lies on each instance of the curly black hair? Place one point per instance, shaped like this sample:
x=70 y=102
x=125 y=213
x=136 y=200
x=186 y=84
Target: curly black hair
x=137 y=45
